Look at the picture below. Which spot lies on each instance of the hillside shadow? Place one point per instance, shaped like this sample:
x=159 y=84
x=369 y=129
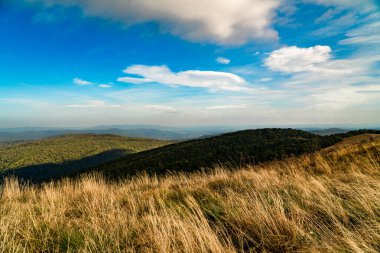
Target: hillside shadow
x=51 y=171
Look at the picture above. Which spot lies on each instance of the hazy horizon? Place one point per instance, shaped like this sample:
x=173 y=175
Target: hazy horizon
x=186 y=127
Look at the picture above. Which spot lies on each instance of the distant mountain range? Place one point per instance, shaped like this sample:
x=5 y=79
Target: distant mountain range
x=329 y=131
x=139 y=131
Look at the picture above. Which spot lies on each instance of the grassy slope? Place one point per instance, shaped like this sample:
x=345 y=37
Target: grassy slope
x=69 y=147
x=354 y=140
x=323 y=202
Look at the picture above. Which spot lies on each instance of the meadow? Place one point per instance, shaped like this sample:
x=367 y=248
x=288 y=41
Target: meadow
x=327 y=201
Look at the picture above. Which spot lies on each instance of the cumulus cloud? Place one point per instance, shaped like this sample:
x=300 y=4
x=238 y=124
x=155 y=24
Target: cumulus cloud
x=223 y=60
x=294 y=59
x=227 y=22
x=316 y=63
x=93 y=104
x=81 y=82
x=213 y=80
x=222 y=22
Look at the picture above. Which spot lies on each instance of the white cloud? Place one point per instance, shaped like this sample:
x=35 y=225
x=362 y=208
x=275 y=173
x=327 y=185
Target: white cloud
x=223 y=60
x=213 y=80
x=226 y=107
x=228 y=22
x=316 y=63
x=266 y=79
x=294 y=59
x=81 y=82
x=160 y=108
x=105 y=86
x=93 y=104
x=320 y=82
x=222 y=22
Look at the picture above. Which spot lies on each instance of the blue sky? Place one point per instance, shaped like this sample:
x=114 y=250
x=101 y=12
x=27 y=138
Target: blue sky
x=224 y=62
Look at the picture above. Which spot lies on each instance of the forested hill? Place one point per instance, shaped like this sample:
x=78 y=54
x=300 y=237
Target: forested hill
x=71 y=147
x=234 y=149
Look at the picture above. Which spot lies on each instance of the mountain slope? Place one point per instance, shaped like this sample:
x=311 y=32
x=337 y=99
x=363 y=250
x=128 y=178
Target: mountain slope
x=249 y=146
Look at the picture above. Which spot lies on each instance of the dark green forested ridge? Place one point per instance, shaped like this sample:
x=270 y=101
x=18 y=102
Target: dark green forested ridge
x=237 y=148
x=356 y=132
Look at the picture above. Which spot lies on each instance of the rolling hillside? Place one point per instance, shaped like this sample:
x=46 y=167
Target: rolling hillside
x=320 y=202
x=234 y=149
x=365 y=138
x=117 y=157
x=73 y=152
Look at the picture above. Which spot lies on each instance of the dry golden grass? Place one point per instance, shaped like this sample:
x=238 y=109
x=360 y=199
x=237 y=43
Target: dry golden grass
x=355 y=140
x=315 y=203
